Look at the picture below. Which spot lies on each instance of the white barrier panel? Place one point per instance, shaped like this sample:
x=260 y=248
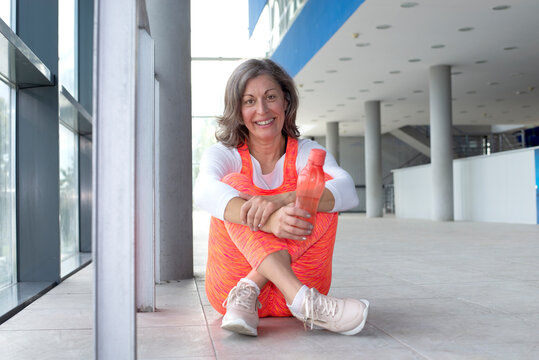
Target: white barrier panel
x=492 y=188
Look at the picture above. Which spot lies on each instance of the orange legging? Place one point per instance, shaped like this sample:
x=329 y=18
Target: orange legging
x=234 y=250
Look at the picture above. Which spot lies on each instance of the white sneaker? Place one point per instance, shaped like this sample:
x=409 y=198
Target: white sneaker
x=242 y=310
x=344 y=316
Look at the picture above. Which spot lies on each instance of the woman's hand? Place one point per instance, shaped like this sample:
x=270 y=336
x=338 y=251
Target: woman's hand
x=285 y=224
x=257 y=209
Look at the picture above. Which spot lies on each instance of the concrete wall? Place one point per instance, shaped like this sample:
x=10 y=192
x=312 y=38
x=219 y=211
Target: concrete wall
x=494 y=188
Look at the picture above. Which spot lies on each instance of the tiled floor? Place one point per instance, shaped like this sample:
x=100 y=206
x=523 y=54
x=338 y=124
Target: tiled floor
x=452 y=290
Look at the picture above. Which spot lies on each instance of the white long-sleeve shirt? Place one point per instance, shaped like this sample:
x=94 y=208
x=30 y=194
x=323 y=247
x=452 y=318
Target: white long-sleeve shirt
x=212 y=195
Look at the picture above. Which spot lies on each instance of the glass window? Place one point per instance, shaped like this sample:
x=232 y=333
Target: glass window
x=5 y=11
x=67 y=45
x=7 y=186
x=69 y=193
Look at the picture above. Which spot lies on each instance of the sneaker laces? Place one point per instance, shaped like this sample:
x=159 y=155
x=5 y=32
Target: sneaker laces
x=317 y=304
x=242 y=295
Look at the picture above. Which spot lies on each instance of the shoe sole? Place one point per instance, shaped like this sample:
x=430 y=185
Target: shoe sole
x=360 y=326
x=239 y=326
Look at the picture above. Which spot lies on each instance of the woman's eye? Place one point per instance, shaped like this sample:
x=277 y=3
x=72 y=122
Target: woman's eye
x=271 y=97
x=249 y=102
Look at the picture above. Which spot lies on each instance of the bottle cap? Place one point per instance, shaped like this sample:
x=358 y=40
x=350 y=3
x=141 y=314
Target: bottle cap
x=317 y=156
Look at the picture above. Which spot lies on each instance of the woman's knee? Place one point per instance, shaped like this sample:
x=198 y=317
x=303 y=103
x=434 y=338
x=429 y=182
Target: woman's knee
x=280 y=256
x=239 y=182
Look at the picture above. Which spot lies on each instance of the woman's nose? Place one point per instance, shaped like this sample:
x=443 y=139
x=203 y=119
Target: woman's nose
x=261 y=106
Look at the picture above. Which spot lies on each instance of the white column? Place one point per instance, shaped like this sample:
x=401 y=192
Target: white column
x=114 y=179
x=144 y=170
x=157 y=207
x=332 y=139
x=373 y=159
x=170 y=28
x=441 y=143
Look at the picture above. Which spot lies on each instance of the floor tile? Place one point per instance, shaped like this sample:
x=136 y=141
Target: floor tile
x=50 y=319
x=46 y=344
x=167 y=342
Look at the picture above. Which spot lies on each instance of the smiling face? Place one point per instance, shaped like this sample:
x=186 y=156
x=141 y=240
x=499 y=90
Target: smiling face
x=262 y=108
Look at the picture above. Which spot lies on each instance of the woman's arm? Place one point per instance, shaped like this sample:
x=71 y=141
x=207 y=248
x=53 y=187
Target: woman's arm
x=257 y=209
x=210 y=193
x=283 y=223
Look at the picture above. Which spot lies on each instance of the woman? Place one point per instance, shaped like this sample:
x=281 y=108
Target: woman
x=263 y=260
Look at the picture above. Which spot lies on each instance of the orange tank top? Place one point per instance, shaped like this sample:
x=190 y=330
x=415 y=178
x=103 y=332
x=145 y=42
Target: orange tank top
x=290 y=175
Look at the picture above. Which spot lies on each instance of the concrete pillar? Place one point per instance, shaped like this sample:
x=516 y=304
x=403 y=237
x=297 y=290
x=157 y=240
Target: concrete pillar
x=373 y=159
x=144 y=175
x=37 y=141
x=441 y=142
x=332 y=139
x=114 y=179
x=170 y=25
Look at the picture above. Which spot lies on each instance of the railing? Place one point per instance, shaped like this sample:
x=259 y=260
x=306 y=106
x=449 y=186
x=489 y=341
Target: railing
x=282 y=15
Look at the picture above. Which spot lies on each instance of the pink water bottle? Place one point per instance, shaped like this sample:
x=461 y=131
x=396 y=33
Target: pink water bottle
x=311 y=184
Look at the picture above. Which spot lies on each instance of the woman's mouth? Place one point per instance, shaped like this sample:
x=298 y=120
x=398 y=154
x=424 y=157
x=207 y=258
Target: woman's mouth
x=264 y=122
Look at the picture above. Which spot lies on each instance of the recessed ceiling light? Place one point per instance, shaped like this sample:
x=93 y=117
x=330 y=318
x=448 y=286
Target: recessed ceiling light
x=319 y=81
x=456 y=73
x=517 y=74
x=418 y=91
x=345 y=59
x=341 y=105
x=505 y=112
x=520 y=92
x=407 y=117
x=414 y=60
x=463 y=111
x=331 y=110
x=351 y=98
x=309 y=90
x=401 y=99
x=420 y=111
x=525 y=106
x=408 y=5
x=454 y=99
x=378 y=82
x=394 y=72
x=499 y=100
x=527 y=117
x=438 y=46
x=481 y=61
x=467 y=28
x=314 y=120
x=322 y=116
x=383 y=27
x=364 y=90
x=492 y=83
x=471 y=92
x=331 y=71
x=363 y=44
x=480 y=106
x=501 y=7
x=388 y=105
x=510 y=48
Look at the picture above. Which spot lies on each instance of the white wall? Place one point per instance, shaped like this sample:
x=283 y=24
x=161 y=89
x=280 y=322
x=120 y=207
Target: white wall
x=494 y=188
x=413 y=192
